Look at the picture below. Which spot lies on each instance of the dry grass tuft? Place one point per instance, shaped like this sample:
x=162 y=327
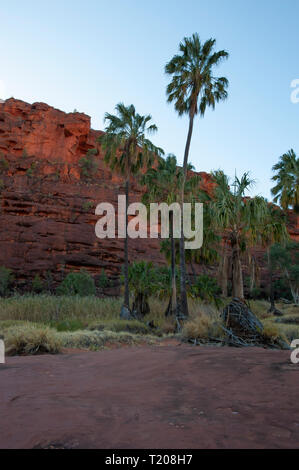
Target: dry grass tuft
x=202 y=327
x=100 y=339
x=31 y=340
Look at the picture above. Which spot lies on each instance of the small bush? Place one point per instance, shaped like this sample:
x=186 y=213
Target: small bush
x=273 y=334
x=169 y=326
x=4 y=165
x=37 y=284
x=87 y=205
x=88 y=164
x=6 y=278
x=81 y=284
x=103 y=280
x=207 y=289
x=31 y=340
x=260 y=308
x=282 y=289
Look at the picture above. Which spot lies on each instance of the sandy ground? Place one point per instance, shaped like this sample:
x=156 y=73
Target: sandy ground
x=151 y=397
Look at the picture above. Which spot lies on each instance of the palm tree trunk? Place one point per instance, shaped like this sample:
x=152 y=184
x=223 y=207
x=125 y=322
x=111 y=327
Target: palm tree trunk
x=184 y=301
x=172 y=305
x=173 y=274
x=272 y=301
x=237 y=280
x=126 y=268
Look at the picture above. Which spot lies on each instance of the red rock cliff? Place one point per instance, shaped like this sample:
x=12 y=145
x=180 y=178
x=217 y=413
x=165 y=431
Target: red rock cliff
x=47 y=211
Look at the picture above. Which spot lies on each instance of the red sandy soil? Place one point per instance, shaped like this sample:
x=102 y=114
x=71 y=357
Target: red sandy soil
x=151 y=397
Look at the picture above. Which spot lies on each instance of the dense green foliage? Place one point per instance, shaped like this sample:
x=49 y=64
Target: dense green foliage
x=206 y=288
x=88 y=164
x=285 y=258
x=6 y=278
x=286 y=191
x=81 y=284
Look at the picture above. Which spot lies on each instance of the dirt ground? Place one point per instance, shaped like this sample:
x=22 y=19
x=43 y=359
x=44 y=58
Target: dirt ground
x=176 y=396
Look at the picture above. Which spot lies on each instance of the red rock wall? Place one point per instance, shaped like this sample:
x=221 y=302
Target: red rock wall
x=47 y=216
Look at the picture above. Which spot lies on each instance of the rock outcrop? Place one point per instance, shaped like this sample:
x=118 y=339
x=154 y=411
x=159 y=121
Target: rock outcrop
x=47 y=220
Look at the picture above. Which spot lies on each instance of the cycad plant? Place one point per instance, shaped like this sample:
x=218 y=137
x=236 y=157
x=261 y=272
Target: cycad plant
x=286 y=191
x=193 y=88
x=127 y=150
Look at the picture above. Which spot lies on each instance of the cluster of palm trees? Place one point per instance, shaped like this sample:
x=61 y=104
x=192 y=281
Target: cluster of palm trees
x=192 y=89
x=230 y=219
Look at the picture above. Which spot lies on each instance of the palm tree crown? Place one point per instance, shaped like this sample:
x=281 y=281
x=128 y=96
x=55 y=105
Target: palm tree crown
x=193 y=86
x=286 y=190
x=241 y=218
x=165 y=181
x=125 y=143
x=232 y=210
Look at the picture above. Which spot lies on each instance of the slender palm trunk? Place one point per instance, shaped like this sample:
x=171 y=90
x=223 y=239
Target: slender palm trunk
x=126 y=269
x=173 y=274
x=184 y=301
x=238 y=290
x=172 y=305
x=271 y=293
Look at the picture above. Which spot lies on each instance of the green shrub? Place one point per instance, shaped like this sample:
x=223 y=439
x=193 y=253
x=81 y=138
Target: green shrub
x=4 y=165
x=207 y=289
x=282 y=289
x=88 y=165
x=103 y=280
x=87 y=205
x=144 y=280
x=37 y=284
x=81 y=284
x=6 y=278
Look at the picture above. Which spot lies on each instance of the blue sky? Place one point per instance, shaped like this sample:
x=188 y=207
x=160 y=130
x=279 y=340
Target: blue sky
x=90 y=55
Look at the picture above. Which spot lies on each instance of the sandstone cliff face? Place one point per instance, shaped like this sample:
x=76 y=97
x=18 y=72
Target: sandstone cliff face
x=47 y=216
x=47 y=220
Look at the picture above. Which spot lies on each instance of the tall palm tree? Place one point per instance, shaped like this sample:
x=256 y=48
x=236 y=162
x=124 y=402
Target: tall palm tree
x=127 y=149
x=286 y=191
x=193 y=88
x=163 y=185
x=240 y=218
